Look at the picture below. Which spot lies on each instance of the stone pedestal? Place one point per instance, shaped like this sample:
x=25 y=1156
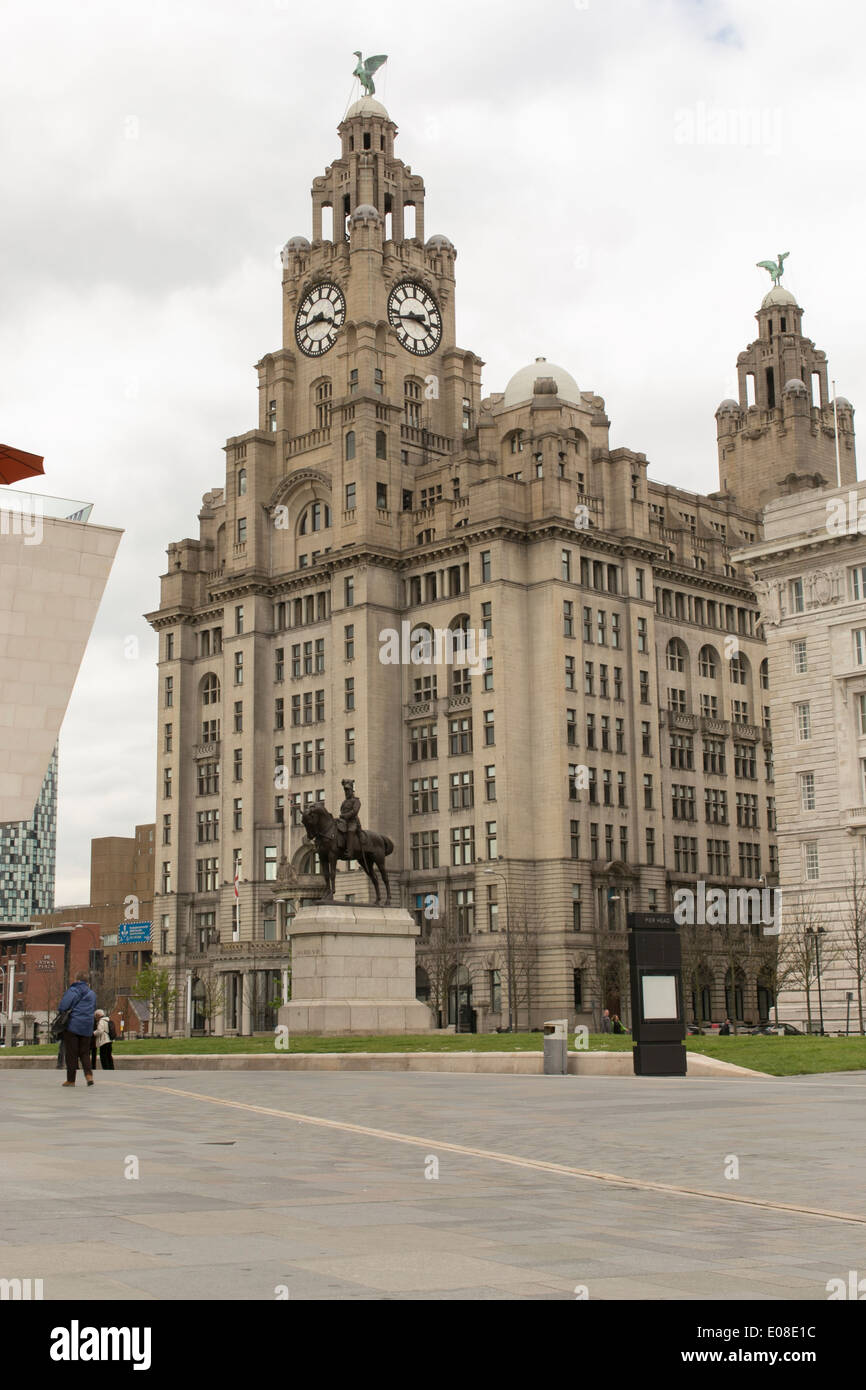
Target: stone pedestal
x=353 y=971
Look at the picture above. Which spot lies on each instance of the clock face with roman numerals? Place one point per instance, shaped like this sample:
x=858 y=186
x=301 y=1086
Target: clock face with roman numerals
x=414 y=315
x=321 y=315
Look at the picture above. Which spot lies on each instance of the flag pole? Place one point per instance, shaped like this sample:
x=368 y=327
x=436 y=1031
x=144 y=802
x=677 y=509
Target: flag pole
x=836 y=433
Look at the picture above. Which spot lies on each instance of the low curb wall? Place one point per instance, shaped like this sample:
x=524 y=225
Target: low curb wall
x=478 y=1063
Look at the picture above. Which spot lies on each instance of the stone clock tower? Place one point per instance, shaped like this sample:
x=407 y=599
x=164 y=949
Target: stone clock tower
x=271 y=686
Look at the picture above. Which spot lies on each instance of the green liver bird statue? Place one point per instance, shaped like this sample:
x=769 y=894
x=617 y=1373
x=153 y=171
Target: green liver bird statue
x=774 y=268
x=364 y=69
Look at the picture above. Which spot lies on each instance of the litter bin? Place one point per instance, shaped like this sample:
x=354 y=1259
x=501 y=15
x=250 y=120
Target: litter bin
x=556 y=1047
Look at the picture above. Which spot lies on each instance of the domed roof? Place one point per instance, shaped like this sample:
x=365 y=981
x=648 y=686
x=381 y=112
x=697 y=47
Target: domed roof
x=795 y=384
x=777 y=295
x=365 y=212
x=297 y=243
x=439 y=240
x=521 y=386
x=844 y=403
x=728 y=404
x=367 y=106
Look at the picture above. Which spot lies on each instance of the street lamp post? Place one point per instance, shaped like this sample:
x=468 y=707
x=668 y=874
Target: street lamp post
x=508 y=958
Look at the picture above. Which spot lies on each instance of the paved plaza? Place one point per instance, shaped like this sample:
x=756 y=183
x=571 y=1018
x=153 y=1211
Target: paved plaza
x=238 y=1197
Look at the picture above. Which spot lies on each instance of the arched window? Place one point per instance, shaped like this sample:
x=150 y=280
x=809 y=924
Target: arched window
x=516 y=442
x=676 y=655
x=381 y=445
x=738 y=669
x=421 y=645
x=210 y=690
x=242 y=482
x=765 y=674
x=708 y=663
x=317 y=517
x=350 y=444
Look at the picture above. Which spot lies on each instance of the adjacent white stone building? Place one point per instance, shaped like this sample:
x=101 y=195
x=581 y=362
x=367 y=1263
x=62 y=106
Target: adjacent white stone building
x=811 y=579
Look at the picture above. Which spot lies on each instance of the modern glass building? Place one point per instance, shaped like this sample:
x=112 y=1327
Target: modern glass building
x=28 y=856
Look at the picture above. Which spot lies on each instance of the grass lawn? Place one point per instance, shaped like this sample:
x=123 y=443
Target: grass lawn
x=777 y=1056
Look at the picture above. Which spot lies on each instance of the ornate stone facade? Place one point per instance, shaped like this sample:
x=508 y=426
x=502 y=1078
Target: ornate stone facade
x=614 y=741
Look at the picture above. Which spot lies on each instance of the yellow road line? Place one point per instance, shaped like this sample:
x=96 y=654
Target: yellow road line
x=513 y=1160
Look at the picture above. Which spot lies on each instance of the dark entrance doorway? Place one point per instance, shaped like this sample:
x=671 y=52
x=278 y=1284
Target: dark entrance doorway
x=460 y=1011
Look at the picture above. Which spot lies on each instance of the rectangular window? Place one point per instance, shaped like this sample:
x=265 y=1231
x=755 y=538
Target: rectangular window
x=568 y=619
x=571 y=727
x=861 y=714
x=349 y=641
x=803 y=720
x=166 y=830
x=485 y=566
x=167 y=738
x=349 y=591
x=350 y=745
x=462 y=844
x=169 y=692
x=239 y=765
x=807 y=790
x=643 y=677
x=646 y=738
x=810 y=859
x=351 y=497
x=489 y=728
x=566 y=565
x=490 y=834
x=859 y=635
x=569 y=673
x=588 y=678
x=166 y=783
x=795 y=590
x=460 y=735
x=650 y=845
x=239 y=668
x=642 y=634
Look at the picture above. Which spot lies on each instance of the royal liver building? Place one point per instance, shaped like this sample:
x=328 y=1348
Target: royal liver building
x=607 y=741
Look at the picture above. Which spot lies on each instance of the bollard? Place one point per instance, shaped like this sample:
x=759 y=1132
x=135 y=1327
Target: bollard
x=556 y=1047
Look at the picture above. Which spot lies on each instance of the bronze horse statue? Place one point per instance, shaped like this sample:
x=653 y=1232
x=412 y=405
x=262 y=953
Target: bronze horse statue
x=330 y=843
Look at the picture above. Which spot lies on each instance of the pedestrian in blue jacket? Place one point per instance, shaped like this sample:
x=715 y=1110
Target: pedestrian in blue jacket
x=79 y=1030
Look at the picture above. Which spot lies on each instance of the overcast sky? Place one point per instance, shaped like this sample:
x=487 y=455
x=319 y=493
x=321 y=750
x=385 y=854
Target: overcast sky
x=609 y=172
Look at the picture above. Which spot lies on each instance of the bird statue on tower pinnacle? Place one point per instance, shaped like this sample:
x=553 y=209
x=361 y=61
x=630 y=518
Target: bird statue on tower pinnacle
x=364 y=69
x=776 y=270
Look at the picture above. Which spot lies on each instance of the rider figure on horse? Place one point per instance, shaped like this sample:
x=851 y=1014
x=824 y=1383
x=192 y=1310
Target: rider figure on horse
x=348 y=821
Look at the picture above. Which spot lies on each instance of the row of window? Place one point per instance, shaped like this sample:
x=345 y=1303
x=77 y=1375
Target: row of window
x=424 y=738
x=604 y=689
x=424 y=845
x=424 y=791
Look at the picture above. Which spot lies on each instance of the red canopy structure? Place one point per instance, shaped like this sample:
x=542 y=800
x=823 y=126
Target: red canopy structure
x=16 y=464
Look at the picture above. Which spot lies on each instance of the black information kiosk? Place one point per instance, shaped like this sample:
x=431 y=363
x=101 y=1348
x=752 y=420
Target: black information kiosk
x=658 y=1019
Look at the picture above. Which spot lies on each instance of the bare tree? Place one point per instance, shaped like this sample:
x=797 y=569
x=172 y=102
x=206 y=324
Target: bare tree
x=521 y=957
x=697 y=951
x=212 y=998
x=797 y=957
x=610 y=967
x=852 y=939
x=439 y=953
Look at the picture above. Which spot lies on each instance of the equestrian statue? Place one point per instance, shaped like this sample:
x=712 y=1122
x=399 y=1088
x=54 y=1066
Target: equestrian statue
x=343 y=839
